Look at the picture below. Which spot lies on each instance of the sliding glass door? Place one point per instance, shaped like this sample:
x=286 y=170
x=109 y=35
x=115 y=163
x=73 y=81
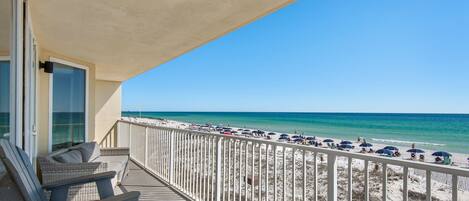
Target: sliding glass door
x=4 y=99
x=68 y=106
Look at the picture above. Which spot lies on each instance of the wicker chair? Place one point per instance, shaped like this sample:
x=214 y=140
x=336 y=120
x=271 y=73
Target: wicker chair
x=20 y=182
x=52 y=171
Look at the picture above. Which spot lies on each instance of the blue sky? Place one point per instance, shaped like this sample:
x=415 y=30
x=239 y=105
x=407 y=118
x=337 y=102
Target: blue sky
x=323 y=56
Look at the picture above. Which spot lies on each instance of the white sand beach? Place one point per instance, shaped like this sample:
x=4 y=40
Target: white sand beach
x=441 y=183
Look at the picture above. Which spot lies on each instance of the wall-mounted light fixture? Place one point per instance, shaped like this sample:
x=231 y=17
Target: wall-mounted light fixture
x=47 y=66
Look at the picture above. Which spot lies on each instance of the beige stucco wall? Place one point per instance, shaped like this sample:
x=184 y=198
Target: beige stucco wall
x=107 y=106
x=5 y=23
x=43 y=100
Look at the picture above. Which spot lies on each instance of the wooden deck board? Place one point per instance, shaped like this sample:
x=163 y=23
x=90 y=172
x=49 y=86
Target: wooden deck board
x=149 y=187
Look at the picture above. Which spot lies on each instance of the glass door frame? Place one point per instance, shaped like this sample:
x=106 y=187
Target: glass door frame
x=51 y=96
x=16 y=73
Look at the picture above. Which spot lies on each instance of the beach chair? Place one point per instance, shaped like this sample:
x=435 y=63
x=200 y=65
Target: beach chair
x=447 y=161
x=21 y=183
x=422 y=157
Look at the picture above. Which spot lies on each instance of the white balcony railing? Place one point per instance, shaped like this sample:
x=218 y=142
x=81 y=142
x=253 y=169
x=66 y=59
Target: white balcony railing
x=206 y=166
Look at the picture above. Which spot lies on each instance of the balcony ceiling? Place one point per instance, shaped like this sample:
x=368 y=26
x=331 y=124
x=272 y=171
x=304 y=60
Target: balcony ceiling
x=125 y=38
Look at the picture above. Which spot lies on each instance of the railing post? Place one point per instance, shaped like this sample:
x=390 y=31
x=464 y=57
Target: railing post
x=218 y=173
x=146 y=148
x=116 y=125
x=331 y=177
x=171 y=157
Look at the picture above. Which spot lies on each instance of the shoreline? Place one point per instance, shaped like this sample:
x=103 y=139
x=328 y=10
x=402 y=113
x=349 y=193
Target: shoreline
x=459 y=159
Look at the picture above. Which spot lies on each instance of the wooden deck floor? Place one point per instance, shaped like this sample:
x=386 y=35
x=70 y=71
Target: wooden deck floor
x=150 y=187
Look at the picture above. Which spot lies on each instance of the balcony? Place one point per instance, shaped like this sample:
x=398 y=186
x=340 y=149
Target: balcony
x=207 y=166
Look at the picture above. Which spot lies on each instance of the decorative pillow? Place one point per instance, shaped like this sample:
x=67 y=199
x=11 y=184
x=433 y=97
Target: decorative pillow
x=73 y=156
x=89 y=151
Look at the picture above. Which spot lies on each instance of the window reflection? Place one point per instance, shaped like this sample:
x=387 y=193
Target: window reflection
x=68 y=117
x=4 y=99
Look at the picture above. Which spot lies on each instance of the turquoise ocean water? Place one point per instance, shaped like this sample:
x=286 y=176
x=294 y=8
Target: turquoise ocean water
x=448 y=132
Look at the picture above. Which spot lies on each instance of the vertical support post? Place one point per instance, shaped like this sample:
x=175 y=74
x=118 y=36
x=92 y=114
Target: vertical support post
x=171 y=156
x=145 y=160
x=429 y=185
x=304 y=174
x=331 y=177
x=405 y=190
x=218 y=172
x=454 y=192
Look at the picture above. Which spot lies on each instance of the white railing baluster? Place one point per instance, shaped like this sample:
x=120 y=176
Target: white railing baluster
x=304 y=175
x=259 y=157
x=315 y=173
x=284 y=186
x=349 y=179
x=252 y=171
x=429 y=185
x=246 y=171
x=454 y=187
x=405 y=190
x=293 y=186
x=239 y=168
x=171 y=159
x=145 y=161
x=331 y=177
x=385 y=181
x=275 y=172
x=367 y=188
x=225 y=156
x=266 y=172
x=218 y=173
x=229 y=169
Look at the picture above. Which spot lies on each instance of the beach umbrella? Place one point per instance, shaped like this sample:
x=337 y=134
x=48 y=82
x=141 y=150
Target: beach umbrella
x=346 y=146
x=328 y=140
x=392 y=148
x=417 y=151
x=284 y=135
x=384 y=152
x=346 y=142
x=272 y=134
x=310 y=138
x=366 y=144
x=442 y=154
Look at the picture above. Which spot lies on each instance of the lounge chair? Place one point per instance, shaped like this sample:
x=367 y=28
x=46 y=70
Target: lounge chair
x=22 y=183
x=422 y=157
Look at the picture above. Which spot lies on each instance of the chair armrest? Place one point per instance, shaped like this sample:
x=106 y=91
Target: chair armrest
x=80 y=180
x=115 y=151
x=129 y=196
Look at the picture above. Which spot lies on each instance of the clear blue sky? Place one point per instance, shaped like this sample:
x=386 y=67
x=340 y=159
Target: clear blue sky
x=324 y=56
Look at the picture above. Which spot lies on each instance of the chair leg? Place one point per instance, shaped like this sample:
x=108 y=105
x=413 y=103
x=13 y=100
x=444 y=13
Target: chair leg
x=105 y=189
x=59 y=194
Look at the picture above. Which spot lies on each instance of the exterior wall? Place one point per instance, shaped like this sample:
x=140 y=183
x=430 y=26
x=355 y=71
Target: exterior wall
x=43 y=100
x=107 y=107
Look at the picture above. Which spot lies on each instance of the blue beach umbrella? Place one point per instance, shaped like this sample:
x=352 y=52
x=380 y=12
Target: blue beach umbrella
x=384 y=152
x=366 y=144
x=310 y=138
x=284 y=135
x=392 y=148
x=346 y=142
x=442 y=154
x=328 y=140
x=417 y=151
x=346 y=146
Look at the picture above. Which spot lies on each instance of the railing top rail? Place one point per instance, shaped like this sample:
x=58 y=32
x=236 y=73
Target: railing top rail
x=390 y=161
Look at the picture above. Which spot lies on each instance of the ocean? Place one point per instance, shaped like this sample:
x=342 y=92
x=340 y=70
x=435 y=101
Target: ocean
x=449 y=132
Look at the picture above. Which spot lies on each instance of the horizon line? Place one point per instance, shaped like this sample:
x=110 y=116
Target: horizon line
x=348 y=112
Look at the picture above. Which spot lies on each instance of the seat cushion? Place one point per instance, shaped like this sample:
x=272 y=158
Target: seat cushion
x=115 y=163
x=73 y=156
x=89 y=151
